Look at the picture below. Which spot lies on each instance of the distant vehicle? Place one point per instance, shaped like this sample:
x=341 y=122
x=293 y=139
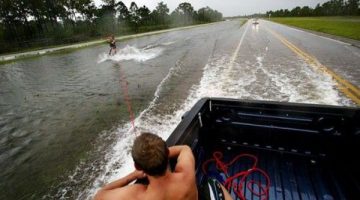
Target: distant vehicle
x=272 y=149
x=256 y=22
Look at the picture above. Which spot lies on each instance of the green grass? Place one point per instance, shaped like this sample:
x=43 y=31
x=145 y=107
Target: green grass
x=242 y=22
x=348 y=27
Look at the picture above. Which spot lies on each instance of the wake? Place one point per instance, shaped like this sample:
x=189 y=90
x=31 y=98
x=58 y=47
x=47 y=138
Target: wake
x=132 y=53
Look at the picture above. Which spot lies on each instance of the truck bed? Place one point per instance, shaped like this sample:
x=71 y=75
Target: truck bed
x=308 y=151
x=292 y=176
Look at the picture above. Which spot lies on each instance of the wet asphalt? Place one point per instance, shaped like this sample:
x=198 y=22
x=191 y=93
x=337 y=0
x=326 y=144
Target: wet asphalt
x=56 y=109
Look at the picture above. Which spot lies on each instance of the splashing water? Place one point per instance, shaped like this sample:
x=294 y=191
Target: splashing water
x=132 y=53
x=118 y=160
x=215 y=82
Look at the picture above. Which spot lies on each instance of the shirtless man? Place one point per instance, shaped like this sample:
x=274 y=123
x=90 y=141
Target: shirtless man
x=112 y=43
x=151 y=157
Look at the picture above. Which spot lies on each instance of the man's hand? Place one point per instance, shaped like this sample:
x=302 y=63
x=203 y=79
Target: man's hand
x=137 y=174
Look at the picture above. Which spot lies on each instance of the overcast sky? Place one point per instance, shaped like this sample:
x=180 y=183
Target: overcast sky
x=229 y=7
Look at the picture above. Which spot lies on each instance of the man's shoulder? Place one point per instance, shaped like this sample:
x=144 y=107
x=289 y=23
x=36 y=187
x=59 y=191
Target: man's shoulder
x=183 y=176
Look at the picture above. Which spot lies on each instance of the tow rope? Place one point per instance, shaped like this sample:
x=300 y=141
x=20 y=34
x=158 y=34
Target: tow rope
x=263 y=191
x=125 y=91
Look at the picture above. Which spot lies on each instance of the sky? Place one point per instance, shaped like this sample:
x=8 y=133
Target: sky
x=229 y=7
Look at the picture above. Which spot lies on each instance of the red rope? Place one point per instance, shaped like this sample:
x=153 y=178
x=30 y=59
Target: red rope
x=263 y=191
x=124 y=87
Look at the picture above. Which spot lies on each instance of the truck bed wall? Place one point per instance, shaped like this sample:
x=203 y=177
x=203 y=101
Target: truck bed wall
x=328 y=134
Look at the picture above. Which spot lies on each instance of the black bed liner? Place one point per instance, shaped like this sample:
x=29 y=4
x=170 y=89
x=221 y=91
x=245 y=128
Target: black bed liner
x=308 y=151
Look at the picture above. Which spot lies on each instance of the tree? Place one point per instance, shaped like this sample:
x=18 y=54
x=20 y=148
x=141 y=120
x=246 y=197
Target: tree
x=53 y=10
x=86 y=8
x=105 y=17
x=36 y=23
x=161 y=14
x=183 y=14
x=124 y=14
x=144 y=15
x=330 y=8
x=134 y=18
x=208 y=15
x=318 y=11
x=12 y=17
x=36 y=9
x=306 y=11
x=352 y=7
x=295 y=12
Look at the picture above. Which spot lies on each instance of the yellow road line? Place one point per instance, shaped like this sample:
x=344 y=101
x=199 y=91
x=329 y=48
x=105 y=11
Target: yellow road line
x=350 y=90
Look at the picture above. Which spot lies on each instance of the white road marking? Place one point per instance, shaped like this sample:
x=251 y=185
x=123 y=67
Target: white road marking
x=233 y=58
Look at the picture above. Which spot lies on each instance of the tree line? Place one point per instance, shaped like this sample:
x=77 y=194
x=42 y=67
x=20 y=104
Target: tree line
x=39 y=23
x=330 y=8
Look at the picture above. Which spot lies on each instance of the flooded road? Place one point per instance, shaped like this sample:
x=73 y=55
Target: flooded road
x=64 y=124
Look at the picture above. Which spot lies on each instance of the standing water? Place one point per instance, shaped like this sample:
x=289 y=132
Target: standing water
x=52 y=110
x=64 y=125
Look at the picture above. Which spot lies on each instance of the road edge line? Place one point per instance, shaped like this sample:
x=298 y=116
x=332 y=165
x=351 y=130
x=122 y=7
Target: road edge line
x=347 y=88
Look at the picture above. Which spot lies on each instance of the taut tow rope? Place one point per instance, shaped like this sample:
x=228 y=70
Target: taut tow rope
x=125 y=91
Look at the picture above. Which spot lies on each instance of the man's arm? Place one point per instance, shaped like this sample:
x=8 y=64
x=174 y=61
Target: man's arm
x=118 y=184
x=125 y=180
x=185 y=158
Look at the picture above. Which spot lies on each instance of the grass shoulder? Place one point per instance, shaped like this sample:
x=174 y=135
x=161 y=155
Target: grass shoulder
x=344 y=26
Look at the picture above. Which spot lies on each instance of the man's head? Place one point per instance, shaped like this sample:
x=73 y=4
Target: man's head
x=150 y=154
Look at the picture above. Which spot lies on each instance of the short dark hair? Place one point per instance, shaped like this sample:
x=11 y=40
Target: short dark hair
x=150 y=153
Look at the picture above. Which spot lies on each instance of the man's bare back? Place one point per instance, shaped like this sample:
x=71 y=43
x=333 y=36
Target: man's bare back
x=179 y=184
